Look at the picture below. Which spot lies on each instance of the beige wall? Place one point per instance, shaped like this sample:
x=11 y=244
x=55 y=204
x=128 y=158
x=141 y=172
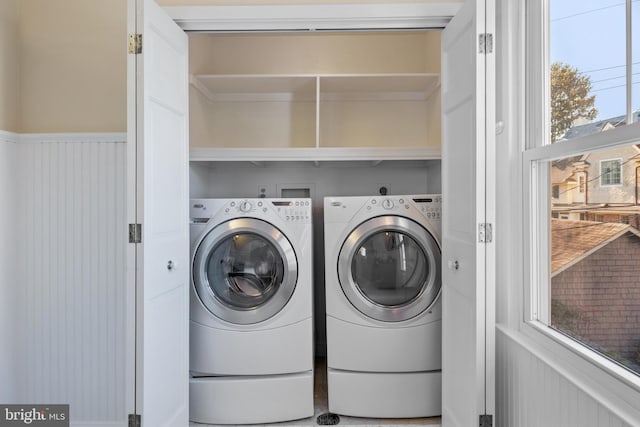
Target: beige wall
x=315 y=53
x=73 y=65
x=227 y=2
x=9 y=75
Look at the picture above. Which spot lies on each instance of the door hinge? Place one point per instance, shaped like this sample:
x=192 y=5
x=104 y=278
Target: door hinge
x=135 y=233
x=486 y=420
x=135 y=420
x=485 y=233
x=135 y=44
x=485 y=43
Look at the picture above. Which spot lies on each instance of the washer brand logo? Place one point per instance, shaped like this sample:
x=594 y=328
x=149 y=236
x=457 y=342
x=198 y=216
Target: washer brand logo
x=34 y=415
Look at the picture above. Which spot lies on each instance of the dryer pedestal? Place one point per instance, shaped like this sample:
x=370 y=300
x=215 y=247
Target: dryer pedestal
x=251 y=399
x=385 y=395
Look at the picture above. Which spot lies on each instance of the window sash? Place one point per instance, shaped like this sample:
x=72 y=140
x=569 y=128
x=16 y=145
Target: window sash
x=618 y=382
x=611 y=173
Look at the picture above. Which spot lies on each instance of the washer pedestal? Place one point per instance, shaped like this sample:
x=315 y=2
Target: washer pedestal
x=251 y=399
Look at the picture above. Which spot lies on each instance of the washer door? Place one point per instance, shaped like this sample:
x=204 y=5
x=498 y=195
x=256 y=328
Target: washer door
x=389 y=268
x=244 y=271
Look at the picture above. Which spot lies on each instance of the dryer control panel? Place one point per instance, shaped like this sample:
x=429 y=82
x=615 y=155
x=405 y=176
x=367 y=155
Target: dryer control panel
x=429 y=205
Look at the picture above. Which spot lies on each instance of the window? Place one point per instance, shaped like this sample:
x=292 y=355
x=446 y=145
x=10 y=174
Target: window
x=585 y=262
x=611 y=172
x=592 y=92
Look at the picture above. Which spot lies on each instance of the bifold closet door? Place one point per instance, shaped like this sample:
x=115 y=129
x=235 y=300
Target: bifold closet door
x=468 y=278
x=158 y=201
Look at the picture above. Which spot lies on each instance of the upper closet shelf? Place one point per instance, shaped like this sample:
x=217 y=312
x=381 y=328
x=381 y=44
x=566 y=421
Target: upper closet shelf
x=323 y=154
x=315 y=117
x=355 y=87
x=229 y=88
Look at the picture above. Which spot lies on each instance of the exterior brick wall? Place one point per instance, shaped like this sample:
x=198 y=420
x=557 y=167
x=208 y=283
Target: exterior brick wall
x=600 y=297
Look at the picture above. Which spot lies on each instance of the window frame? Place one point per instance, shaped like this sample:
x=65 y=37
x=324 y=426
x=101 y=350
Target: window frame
x=602 y=174
x=610 y=381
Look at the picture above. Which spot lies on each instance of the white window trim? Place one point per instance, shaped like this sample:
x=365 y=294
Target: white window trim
x=621 y=173
x=611 y=384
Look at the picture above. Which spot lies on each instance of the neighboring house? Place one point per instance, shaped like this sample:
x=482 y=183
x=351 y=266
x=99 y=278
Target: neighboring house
x=598 y=186
x=595 y=285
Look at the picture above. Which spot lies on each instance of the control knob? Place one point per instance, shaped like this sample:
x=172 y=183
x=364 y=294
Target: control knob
x=245 y=206
x=387 y=204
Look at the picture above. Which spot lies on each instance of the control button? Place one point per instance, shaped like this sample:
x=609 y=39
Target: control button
x=401 y=201
x=245 y=206
x=387 y=204
x=233 y=204
x=373 y=201
x=260 y=204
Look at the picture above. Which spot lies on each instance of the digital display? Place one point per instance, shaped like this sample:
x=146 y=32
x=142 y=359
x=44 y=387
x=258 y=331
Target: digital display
x=281 y=203
x=423 y=200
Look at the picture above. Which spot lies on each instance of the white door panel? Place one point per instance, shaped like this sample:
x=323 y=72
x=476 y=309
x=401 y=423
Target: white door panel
x=467 y=386
x=158 y=167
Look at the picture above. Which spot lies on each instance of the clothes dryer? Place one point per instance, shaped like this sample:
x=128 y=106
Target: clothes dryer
x=251 y=329
x=383 y=280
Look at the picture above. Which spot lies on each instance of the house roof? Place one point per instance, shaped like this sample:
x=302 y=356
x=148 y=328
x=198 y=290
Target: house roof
x=573 y=241
x=599 y=126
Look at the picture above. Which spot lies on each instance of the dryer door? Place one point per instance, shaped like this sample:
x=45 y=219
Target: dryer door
x=389 y=268
x=244 y=271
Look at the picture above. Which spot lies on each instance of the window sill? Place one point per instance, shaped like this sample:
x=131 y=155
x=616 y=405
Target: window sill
x=614 y=386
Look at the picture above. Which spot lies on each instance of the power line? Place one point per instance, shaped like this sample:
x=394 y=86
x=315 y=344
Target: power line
x=599 y=176
x=613 y=87
x=591 y=11
x=613 y=78
x=597 y=224
x=607 y=68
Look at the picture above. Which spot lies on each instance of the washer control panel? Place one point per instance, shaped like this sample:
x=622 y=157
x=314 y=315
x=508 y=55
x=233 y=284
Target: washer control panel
x=294 y=210
x=290 y=210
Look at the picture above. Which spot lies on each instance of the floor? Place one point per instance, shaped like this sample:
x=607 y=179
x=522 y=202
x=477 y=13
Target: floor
x=321 y=407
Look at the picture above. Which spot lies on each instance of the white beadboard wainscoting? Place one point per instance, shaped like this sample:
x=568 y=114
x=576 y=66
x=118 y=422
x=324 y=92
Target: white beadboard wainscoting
x=70 y=289
x=8 y=260
x=533 y=390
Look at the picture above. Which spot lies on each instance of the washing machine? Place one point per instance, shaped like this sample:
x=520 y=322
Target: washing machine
x=384 y=316
x=251 y=328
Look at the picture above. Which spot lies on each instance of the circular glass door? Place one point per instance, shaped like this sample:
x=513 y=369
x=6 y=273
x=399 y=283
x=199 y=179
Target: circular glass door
x=244 y=271
x=389 y=268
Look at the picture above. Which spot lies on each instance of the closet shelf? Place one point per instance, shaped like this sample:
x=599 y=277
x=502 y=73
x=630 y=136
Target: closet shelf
x=316 y=117
x=373 y=154
x=246 y=88
x=330 y=87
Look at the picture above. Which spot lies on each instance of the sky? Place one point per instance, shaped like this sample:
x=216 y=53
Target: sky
x=590 y=36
